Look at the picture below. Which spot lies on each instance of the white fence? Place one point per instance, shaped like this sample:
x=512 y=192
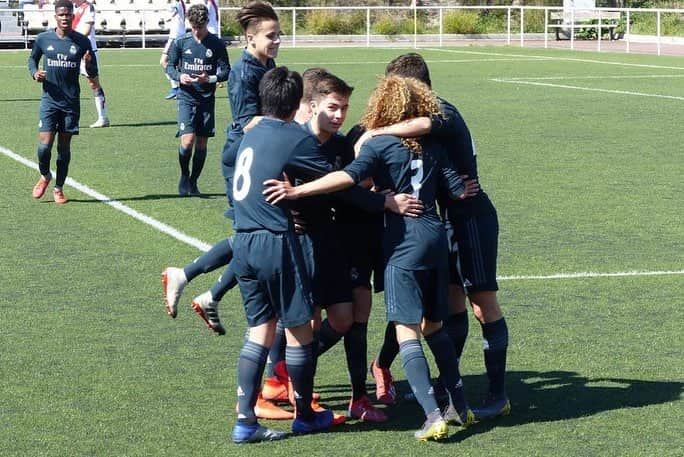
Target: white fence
x=145 y=24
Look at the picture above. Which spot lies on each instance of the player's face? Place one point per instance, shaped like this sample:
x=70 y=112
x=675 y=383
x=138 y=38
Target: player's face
x=264 y=42
x=330 y=112
x=64 y=16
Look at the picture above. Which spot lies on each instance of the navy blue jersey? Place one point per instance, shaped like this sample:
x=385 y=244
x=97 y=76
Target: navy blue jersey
x=62 y=61
x=409 y=243
x=191 y=57
x=243 y=94
x=267 y=150
x=452 y=131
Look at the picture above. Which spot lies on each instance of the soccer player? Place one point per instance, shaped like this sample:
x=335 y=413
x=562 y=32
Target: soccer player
x=62 y=51
x=473 y=229
x=416 y=276
x=197 y=60
x=84 y=23
x=310 y=77
x=268 y=260
x=176 y=30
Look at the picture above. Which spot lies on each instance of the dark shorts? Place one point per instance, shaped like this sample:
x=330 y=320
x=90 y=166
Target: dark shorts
x=197 y=118
x=473 y=244
x=362 y=246
x=327 y=265
x=58 y=119
x=272 y=276
x=411 y=295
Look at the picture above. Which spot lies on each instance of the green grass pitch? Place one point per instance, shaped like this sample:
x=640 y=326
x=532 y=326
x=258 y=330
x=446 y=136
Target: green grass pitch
x=580 y=152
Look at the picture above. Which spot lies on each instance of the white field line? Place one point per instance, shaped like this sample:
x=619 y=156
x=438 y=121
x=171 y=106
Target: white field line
x=145 y=219
x=567 y=59
x=202 y=246
x=588 y=89
x=566 y=78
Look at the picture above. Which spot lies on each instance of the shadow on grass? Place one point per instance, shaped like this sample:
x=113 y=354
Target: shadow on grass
x=535 y=397
x=147 y=197
x=144 y=124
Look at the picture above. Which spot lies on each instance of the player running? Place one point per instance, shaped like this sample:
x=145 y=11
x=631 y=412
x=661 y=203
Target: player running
x=62 y=51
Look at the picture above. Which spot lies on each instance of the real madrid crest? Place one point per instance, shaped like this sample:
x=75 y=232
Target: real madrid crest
x=209 y=53
x=72 y=49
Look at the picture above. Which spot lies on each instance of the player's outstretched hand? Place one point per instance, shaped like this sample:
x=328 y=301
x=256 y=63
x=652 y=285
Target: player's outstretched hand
x=39 y=76
x=276 y=190
x=472 y=187
x=403 y=204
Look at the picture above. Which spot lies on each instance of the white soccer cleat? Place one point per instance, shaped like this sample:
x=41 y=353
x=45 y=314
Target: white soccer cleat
x=207 y=308
x=174 y=281
x=100 y=123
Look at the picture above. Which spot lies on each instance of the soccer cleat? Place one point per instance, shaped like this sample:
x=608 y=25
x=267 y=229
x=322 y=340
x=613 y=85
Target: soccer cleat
x=184 y=186
x=363 y=410
x=100 y=123
x=173 y=281
x=255 y=434
x=321 y=420
x=385 y=392
x=59 y=197
x=274 y=390
x=193 y=189
x=264 y=409
x=434 y=428
x=463 y=419
x=173 y=93
x=493 y=407
x=41 y=186
x=207 y=308
x=337 y=418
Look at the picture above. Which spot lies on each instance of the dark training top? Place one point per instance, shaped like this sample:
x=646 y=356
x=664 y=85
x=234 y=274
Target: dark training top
x=62 y=61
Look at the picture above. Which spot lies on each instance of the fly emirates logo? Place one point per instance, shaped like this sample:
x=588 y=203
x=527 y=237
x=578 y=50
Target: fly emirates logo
x=197 y=65
x=62 y=61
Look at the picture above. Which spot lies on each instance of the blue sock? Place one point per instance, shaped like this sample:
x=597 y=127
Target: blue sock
x=356 y=350
x=457 y=328
x=495 y=342
x=218 y=256
x=198 y=160
x=445 y=356
x=184 y=159
x=300 y=366
x=225 y=282
x=327 y=338
x=250 y=370
x=44 y=157
x=277 y=351
x=417 y=372
x=63 y=160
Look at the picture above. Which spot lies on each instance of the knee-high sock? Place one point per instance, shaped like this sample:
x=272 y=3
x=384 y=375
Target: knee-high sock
x=300 y=366
x=198 y=159
x=63 y=160
x=390 y=347
x=100 y=103
x=250 y=370
x=416 y=370
x=219 y=255
x=327 y=338
x=457 y=328
x=445 y=355
x=277 y=351
x=356 y=350
x=184 y=155
x=495 y=342
x=44 y=157
x=225 y=282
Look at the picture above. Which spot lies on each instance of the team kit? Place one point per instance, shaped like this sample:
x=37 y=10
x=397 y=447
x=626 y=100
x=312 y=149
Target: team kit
x=321 y=220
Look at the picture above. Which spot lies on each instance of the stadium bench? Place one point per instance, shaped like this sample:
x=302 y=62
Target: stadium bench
x=584 y=19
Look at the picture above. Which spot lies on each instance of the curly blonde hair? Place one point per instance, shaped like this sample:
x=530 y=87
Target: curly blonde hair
x=397 y=99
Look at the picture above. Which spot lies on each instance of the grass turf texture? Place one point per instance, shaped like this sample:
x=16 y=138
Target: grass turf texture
x=583 y=181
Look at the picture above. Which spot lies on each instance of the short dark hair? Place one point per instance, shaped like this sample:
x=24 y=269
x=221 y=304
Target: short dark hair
x=311 y=76
x=64 y=4
x=280 y=91
x=411 y=65
x=254 y=13
x=198 y=15
x=328 y=84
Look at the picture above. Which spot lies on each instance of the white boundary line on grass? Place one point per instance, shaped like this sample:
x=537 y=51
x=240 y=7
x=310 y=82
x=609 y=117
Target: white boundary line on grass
x=202 y=246
x=588 y=89
x=144 y=218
